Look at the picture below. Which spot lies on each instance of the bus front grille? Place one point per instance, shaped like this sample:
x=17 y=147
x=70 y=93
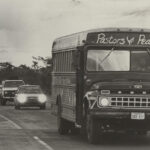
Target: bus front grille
x=143 y=102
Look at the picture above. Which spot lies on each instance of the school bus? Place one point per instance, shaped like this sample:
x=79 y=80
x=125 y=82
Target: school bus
x=101 y=81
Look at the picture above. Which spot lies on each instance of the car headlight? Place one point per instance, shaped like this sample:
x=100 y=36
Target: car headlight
x=21 y=98
x=42 y=98
x=104 y=101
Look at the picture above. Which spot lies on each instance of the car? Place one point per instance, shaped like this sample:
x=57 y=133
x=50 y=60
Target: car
x=29 y=96
x=8 y=90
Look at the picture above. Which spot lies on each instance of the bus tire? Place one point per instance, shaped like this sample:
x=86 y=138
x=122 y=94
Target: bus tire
x=92 y=130
x=62 y=124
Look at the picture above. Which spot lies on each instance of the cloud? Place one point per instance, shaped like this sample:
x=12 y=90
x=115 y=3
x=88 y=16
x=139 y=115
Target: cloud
x=28 y=27
x=138 y=12
x=3 y=51
x=76 y=2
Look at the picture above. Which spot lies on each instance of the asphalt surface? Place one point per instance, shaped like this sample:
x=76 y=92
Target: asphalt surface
x=35 y=129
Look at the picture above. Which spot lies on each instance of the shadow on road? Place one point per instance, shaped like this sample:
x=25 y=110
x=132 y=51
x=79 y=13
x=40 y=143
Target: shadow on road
x=114 y=139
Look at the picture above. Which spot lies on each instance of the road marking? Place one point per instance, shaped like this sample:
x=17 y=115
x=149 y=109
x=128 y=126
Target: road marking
x=43 y=143
x=11 y=122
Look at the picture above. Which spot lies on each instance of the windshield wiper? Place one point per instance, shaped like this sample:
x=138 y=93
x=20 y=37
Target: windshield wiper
x=101 y=61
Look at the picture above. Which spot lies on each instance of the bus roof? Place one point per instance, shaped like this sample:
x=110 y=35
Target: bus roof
x=78 y=39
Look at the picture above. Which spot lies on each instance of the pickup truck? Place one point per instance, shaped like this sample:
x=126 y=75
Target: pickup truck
x=9 y=88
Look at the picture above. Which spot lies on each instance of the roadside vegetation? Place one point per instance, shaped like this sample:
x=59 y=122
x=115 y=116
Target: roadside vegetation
x=35 y=74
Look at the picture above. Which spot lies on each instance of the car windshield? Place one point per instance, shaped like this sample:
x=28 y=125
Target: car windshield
x=118 y=60
x=13 y=83
x=30 y=89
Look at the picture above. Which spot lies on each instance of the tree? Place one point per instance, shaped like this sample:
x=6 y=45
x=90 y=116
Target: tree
x=40 y=75
x=35 y=65
x=47 y=62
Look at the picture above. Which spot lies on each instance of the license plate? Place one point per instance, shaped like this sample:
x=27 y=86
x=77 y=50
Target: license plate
x=137 y=116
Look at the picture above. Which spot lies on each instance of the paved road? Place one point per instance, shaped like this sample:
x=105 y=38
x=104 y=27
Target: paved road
x=34 y=129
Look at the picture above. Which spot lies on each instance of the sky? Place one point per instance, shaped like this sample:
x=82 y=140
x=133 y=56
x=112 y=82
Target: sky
x=28 y=27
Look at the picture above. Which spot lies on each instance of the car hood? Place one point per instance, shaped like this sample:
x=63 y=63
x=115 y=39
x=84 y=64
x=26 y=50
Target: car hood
x=10 y=89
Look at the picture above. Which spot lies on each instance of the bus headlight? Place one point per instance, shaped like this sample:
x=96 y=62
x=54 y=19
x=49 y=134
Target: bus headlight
x=21 y=98
x=42 y=98
x=104 y=101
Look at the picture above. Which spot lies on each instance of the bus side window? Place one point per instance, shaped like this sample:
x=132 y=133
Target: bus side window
x=59 y=62
x=54 y=63
x=64 y=62
x=67 y=62
x=70 y=61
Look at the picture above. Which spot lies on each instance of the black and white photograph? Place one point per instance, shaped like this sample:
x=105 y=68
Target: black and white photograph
x=74 y=74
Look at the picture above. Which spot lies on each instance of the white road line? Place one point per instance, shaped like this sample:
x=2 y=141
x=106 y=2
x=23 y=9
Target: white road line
x=11 y=122
x=43 y=143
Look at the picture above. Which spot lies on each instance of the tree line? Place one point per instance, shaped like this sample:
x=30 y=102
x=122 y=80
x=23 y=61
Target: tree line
x=36 y=74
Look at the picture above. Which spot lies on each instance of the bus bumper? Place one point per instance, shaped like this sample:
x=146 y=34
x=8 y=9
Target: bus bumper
x=122 y=119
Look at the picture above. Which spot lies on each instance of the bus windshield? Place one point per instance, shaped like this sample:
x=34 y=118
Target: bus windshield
x=118 y=60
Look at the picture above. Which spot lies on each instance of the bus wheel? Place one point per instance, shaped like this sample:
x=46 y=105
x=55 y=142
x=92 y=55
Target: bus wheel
x=92 y=130
x=62 y=124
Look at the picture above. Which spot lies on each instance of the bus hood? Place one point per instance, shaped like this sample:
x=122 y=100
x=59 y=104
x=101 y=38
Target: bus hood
x=118 y=81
